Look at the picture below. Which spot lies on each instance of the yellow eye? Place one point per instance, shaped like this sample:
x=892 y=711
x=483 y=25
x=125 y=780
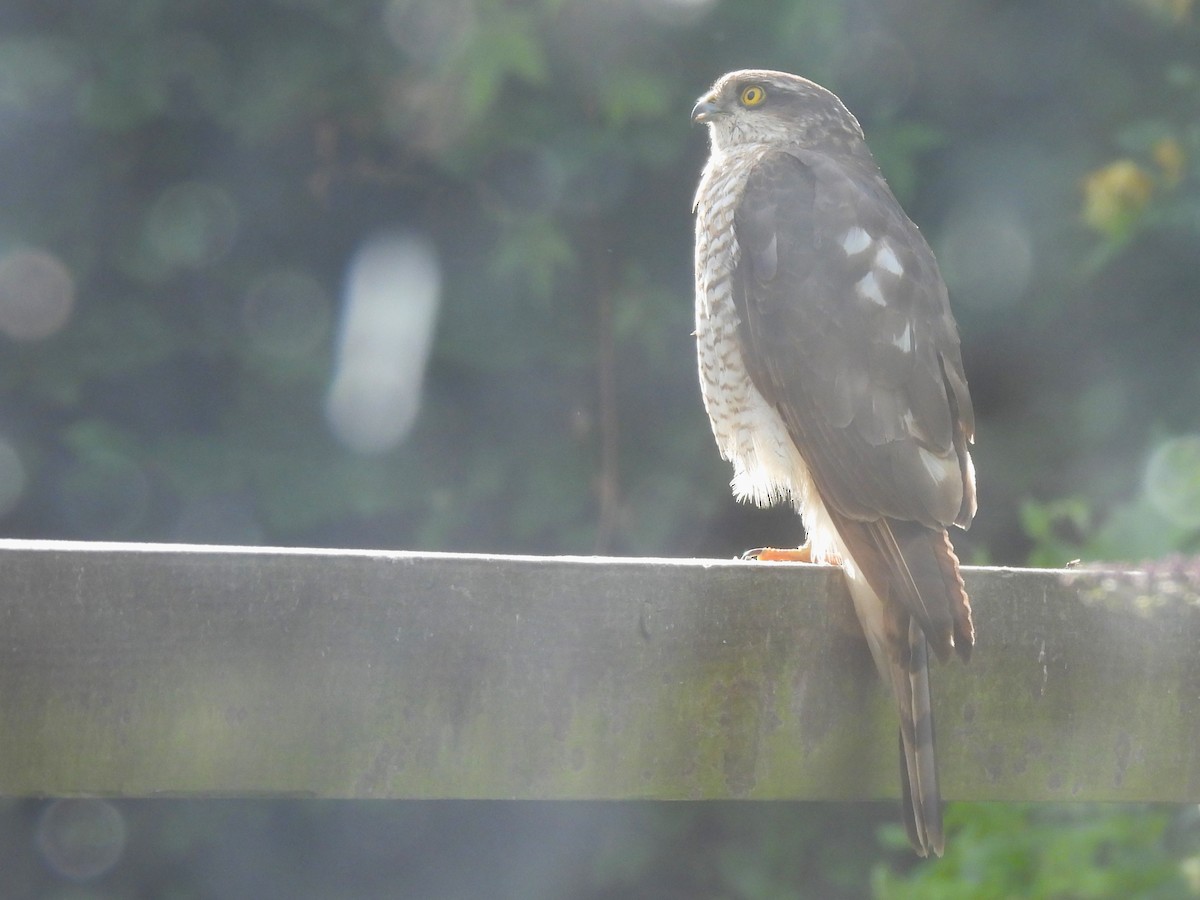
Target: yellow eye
x=752 y=95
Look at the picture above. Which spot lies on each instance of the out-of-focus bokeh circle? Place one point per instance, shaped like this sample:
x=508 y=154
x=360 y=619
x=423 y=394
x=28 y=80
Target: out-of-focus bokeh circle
x=37 y=294
x=191 y=224
x=1173 y=480
x=81 y=839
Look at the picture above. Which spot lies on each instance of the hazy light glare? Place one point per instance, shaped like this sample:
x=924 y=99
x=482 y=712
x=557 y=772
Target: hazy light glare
x=416 y=112
x=286 y=313
x=219 y=519
x=1172 y=480
x=13 y=478
x=81 y=839
x=429 y=32
x=677 y=12
x=986 y=255
x=104 y=496
x=389 y=310
x=597 y=187
x=530 y=180
x=191 y=225
x=196 y=75
x=875 y=73
x=37 y=294
x=1102 y=409
x=37 y=72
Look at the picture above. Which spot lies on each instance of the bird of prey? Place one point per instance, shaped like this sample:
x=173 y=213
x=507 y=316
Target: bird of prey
x=830 y=368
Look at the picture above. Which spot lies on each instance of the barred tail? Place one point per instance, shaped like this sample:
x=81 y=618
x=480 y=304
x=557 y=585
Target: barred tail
x=922 y=801
x=910 y=598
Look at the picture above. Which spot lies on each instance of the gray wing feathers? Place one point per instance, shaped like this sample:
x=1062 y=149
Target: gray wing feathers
x=866 y=361
x=846 y=329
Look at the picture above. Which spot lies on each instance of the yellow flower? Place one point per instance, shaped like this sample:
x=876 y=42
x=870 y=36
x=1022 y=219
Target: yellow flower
x=1171 y=159
x=1115 y=195
x=1176 y=10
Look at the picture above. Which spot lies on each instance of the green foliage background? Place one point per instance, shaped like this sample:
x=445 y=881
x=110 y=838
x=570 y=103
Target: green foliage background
x=176 y=159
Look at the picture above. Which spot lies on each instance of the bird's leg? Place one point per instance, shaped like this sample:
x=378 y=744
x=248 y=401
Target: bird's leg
x=801 y=554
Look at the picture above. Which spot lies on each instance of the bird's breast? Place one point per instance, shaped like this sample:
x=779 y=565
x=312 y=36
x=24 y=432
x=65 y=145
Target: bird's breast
x=748 y=430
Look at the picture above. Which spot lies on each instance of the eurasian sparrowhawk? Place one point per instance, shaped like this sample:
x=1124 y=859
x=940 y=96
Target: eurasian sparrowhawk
x=830 y=368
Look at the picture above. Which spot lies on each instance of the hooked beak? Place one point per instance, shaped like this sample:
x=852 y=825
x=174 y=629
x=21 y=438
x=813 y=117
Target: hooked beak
x=705 y=109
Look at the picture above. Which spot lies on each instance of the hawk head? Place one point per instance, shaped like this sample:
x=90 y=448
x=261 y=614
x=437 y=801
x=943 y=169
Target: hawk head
x=755 y=106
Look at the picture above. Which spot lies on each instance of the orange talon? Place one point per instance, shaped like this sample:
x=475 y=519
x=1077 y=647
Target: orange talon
x=778 y=554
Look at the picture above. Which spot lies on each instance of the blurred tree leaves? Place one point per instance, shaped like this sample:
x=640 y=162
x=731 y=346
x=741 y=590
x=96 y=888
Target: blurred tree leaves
x=1017 y=850
x=506 y=45
x=898 y=148
x=525 y=139
x=177 y=155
